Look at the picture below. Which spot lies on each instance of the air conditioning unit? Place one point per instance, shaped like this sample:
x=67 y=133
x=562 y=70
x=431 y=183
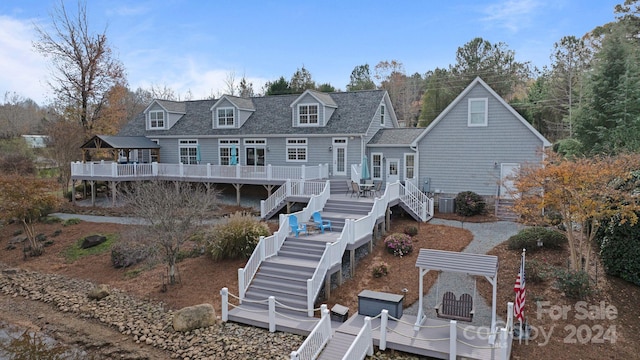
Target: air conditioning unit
x=446 y=205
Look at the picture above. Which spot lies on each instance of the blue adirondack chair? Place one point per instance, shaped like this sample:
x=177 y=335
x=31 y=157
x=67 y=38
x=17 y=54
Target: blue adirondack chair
x=293 y=222
x=321 y=224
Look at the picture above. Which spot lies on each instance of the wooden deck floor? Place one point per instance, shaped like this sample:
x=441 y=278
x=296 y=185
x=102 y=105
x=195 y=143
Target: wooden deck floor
x=401 y=336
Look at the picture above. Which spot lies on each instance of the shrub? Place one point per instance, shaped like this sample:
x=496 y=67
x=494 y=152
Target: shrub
x=620 y=249
x=536 y=272
x=72 y=221
x=380 y=269
x=398 y=244
x=411 y=230
x=574 y=284
x=132 y=248
x=469 y=203
x=528 y=239
x=50 y=220
x=19 y=164
x=236 y=238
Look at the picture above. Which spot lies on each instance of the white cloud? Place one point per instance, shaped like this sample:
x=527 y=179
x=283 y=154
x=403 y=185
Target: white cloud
x=23 y=70
x=510 y=14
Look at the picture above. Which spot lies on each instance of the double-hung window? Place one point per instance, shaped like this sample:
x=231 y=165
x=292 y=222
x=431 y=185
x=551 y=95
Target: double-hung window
x=296 y=150
x=189 y=151
x=226 y=117
x=382 y=115
x=156 y=119
x=409 y=166
x=376 y=165
x=308 y=114
x=478 y=110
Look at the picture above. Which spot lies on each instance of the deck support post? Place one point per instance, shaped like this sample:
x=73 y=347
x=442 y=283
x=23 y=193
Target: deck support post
x=114 y=187
x=238 y=187
x=73 y=191
x=269 y=188
x=327 y=286
x=340 y=279
x=352 y=262
x=387 y=219
x=93 y=192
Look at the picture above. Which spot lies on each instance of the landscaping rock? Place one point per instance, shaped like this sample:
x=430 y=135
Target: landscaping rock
x=92 y=240
x=99 y=292
x=194 y=317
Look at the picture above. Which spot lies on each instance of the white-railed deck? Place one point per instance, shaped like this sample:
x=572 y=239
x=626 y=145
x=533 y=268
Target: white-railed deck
x=112 y=171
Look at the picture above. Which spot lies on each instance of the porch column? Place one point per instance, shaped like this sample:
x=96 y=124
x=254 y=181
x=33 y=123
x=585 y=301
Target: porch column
x=73 y=191
x=93 y=192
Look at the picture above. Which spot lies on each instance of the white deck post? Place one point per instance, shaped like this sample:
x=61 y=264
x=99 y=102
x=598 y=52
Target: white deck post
x=453 y=339
x=492 y=338
x=302 y=173
x=416 y=327
x=208 y=170
x=241 y=284
x=114 y=169
x=225 y=304
x=384 y=319
x=262 y=245
x=269 y=173
x=367 y=324
x=309 y=298
x=510 y=316
x=263 y=211
x=181 y=169
x=503 y=353
x=238 y=172
x=154 y=168
x=272 y=314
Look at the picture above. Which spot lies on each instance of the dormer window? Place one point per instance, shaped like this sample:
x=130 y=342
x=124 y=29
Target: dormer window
x=382 y=115
x=156 y=119
x=308 y=114
x=226 y=117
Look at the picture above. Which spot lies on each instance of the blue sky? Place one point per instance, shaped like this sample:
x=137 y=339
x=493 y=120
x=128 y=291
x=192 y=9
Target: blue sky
x=195 y=45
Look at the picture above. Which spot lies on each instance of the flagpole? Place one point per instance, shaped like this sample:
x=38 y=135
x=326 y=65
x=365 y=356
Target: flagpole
x=524 y=255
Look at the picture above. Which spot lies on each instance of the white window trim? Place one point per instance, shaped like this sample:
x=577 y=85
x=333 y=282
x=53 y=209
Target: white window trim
x=187 y=143
x=406 y=155
x=373 y=155
x=317 y=123
x=486 y=112
x=260 y=141
x=227 y=143
x=382 y=115
x=217 y=117
x=164 y=120
x=304 y=146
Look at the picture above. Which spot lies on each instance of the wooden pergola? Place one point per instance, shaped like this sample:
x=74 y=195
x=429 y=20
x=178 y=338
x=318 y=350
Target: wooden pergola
x=471 y=264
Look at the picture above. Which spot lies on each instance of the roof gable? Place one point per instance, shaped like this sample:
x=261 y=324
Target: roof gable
x=177 y=107
x=239 y=102
x=323 y=98
x=479 y=82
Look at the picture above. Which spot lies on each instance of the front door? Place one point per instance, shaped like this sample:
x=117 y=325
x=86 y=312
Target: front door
x=507 y=187
x=339 y=160
x=393 y=166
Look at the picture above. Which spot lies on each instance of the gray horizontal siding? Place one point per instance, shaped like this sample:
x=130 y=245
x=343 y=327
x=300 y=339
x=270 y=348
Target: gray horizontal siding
x=459 y=158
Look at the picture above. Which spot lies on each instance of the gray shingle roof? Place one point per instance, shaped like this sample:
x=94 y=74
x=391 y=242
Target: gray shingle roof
x=473 y=264
x=272 y=116
x=400 y=136
x=241 y=103
x=119 y=142
x=172 y=106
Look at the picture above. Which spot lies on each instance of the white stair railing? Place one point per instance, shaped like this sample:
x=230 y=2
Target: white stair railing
x=278 y=196
x=417 y=201
x=317 y=339
x=362 y=345
x=269 y=246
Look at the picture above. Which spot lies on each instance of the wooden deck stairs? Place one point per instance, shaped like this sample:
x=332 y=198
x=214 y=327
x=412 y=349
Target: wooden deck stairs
x=285 y=275
x=504 y=210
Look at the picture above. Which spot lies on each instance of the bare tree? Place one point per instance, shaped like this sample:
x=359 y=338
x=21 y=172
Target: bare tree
x=230 y=82
x=63 y=145
x=174 y=211
x=84 y=67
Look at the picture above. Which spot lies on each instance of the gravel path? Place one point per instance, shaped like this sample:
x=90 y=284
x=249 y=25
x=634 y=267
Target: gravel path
x=485 y=237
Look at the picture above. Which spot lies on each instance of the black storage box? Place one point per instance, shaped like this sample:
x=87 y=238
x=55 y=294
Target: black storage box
x=339 y=313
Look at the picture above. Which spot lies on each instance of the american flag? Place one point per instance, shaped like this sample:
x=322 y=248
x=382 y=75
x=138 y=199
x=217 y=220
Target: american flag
x=520 y=290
